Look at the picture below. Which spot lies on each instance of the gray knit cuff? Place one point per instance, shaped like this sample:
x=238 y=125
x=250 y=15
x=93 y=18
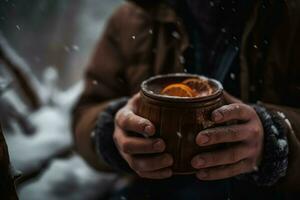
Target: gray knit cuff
x=103 y=137
x=275 y=153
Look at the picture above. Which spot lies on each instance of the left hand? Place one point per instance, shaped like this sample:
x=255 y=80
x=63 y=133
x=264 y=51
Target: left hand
x=243 y=154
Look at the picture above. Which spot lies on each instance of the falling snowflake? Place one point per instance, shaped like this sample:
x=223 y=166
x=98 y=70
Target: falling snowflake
x=181 y=59
x=75 y=47
x=176 y=35
x=95 y=82
x=232 y=76
x=179 y=135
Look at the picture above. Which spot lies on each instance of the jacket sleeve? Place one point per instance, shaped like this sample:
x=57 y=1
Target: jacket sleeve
x=289 y=110
x=104 y=81
x=290 y=120
x=289 y=113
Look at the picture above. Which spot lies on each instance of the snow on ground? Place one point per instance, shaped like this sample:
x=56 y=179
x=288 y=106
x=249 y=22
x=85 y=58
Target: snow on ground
x=69 y=178
x=53 y=135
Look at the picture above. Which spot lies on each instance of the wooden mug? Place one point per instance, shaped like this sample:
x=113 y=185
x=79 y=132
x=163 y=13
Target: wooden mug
x=178 y=120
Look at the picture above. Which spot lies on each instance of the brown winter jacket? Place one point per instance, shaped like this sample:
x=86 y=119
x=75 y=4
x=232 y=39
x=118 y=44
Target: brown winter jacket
x=138 y=43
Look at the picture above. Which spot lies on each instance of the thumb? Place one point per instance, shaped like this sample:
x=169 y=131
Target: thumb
x=134 y=102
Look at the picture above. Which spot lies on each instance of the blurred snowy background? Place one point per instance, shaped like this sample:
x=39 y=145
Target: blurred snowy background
x=51 y=41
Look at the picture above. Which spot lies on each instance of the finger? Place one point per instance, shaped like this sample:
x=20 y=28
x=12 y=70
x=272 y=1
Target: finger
x=224 y=134
x=159 y=174
x=136 y=145
x=133 y=103
x=236 y=111
x=151 y=163
x=222 y=157
x=129 y=121
x=226 y=171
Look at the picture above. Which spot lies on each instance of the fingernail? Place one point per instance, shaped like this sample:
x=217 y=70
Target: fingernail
x=149 y=130
x=168 y=173
x=169 y=160
x=217 y=116
x=203 y=139
x=200 y=162
x=202 y=174
x=158 y=145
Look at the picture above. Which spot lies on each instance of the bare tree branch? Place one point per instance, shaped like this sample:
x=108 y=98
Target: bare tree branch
x=30 y=86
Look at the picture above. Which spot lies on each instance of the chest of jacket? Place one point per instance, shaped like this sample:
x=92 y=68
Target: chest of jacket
x=159 y=45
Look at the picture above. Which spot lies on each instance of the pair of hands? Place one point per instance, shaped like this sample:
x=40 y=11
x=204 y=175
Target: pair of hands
x=147 y=158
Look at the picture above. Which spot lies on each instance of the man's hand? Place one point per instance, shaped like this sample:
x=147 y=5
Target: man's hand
x=243 y=153
x=144 y=155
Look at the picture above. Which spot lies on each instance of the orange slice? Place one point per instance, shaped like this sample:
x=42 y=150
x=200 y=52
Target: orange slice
x=200 y=87
x=177 y=89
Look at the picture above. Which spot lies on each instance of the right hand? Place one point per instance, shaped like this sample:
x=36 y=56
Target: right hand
x=143 y=154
